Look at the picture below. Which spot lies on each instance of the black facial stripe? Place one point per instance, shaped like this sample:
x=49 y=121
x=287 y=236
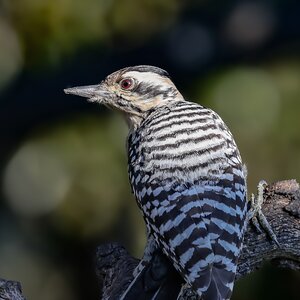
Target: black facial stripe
x=151 y=91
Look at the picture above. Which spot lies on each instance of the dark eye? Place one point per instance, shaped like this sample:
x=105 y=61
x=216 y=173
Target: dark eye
x=126 y=83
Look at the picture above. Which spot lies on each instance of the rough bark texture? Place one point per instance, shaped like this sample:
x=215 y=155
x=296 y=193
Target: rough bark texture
x=10 y=290
x=281 y=207
x=282 y=210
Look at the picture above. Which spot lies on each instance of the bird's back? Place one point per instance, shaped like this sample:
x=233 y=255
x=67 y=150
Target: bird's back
x=187 y=176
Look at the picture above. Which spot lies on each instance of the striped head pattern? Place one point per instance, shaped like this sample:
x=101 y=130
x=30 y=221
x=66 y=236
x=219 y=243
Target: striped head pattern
x=133 y=90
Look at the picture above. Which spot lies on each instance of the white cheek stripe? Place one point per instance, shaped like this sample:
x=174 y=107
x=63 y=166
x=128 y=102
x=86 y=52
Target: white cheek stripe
x=147 y=77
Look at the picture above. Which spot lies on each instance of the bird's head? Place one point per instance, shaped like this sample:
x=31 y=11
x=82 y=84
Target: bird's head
x=133 y=91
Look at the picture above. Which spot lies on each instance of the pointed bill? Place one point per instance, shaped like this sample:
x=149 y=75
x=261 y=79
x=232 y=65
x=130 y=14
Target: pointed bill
x=92 y=92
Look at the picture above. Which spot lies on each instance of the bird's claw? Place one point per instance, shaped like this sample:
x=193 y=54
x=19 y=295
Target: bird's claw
x=256 y=215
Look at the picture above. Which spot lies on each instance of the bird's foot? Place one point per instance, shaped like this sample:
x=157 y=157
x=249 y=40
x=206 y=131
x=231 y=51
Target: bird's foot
x=256 y=215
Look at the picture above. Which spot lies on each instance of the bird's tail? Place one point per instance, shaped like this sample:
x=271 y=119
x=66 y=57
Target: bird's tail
x=215 y=283
x=158 y=280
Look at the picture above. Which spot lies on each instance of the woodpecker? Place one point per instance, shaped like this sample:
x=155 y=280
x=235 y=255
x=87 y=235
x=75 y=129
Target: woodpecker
x=186 y=173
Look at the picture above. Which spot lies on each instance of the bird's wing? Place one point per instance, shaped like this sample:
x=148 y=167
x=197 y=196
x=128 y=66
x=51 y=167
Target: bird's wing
x=187 y=176
x=199 y=227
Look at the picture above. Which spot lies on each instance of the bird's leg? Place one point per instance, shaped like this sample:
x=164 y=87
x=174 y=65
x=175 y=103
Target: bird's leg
x=256 y=215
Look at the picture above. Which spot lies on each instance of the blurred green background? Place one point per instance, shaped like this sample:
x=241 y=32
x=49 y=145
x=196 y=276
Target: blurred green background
x=64 y=186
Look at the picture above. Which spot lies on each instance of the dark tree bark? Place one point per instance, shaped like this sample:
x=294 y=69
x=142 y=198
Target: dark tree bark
x=10 y=290
x=281 y=207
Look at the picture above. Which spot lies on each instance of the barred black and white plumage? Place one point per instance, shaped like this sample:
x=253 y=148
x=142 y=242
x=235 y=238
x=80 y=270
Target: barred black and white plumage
x=186 y=174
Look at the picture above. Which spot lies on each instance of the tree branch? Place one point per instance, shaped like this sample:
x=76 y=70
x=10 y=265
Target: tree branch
x=281 y=207
x=10 y=290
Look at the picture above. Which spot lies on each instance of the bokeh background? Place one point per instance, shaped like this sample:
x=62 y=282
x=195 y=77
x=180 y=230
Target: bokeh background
x=64 y=186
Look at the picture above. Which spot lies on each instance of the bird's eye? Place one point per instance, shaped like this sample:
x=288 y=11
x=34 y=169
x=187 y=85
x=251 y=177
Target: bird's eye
x=126 y=84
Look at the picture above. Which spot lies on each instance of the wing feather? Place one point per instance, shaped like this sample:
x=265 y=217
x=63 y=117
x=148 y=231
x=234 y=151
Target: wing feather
x=200 y=230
